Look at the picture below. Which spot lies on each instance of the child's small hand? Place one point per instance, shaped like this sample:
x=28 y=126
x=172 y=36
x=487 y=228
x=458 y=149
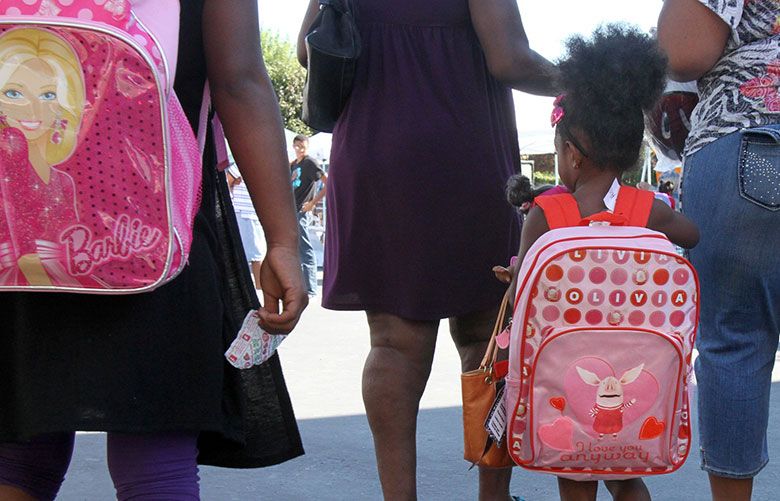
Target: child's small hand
x=506 y=274
x=503 y=274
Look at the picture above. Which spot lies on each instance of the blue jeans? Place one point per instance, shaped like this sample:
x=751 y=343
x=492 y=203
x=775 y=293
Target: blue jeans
x=731 y=190
x=308 y=258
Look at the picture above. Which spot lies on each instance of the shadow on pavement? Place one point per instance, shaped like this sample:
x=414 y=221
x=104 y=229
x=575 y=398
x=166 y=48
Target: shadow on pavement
x=339 y=465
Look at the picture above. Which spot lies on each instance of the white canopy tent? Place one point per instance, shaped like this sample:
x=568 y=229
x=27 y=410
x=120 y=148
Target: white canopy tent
x=319 y=146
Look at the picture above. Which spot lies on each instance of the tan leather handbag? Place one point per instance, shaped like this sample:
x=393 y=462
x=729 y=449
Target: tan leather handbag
x=479 y=393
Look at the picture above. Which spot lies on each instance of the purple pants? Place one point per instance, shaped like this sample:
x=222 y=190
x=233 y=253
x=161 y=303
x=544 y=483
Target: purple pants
x=159 y=466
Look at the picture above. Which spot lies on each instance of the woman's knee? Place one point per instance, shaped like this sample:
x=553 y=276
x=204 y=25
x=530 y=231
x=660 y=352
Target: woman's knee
x=412 y=339
x=159 y=466
x=36 y=467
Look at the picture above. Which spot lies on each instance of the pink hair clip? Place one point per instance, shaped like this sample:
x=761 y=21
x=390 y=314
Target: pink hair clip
x=558 y=111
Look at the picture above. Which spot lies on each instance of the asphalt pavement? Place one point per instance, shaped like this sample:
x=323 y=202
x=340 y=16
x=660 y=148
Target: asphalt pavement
x=322 y=361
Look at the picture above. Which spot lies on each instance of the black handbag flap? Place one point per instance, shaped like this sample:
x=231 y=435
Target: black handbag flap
x=334 y=32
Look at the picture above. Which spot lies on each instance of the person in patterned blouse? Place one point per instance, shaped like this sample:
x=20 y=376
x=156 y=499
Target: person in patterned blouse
x=731 y=190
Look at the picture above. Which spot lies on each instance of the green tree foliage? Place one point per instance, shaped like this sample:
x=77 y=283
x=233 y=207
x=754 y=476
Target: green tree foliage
x=287 y=77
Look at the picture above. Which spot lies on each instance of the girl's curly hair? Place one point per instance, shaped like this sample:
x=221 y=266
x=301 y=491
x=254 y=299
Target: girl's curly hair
x=609 y=80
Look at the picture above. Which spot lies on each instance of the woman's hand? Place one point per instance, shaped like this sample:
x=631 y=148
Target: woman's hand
x=307 y=207
x=281 y=281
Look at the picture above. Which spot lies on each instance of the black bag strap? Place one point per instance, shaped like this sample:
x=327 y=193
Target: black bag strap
x=342 y=6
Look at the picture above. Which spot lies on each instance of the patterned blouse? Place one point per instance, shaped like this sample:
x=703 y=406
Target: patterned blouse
x=741 y=90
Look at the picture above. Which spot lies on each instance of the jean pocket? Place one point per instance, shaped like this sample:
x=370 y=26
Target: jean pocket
x=759 y=167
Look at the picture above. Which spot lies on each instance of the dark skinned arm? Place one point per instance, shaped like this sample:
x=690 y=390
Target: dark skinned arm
x=308 y=19
x=678 y=228
x=311 y=204
x=503 y=39
x=246 y=103
x=534 y=227
x=509 y=56
x=693 y=38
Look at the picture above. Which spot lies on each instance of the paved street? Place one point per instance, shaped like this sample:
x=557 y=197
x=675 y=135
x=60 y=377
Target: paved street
x=323 y=361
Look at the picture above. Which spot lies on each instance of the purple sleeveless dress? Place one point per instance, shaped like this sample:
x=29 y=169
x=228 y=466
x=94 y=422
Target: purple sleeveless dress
x=416 y=214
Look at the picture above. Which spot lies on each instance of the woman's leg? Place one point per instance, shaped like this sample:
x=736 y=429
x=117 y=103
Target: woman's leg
x=628 y=490
x=154 y=467
x=572 y=490
x=730 y=489
x=471 y=334
x=34 y=470
x=394 y=378
x=726 y=193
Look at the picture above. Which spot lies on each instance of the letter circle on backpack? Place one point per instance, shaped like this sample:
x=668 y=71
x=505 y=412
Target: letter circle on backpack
x=598 y=374
x=99 y=168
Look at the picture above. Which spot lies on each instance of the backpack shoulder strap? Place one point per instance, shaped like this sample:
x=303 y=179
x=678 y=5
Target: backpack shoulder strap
x=560 y=210
x=635 y=205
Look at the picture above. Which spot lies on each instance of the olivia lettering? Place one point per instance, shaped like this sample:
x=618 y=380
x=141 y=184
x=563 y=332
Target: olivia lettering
x=130 y=237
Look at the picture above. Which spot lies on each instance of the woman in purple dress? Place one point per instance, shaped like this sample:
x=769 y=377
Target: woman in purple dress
x=416 y=210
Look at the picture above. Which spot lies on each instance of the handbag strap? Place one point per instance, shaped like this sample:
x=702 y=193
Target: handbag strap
x=491 y=353
x=343 y=6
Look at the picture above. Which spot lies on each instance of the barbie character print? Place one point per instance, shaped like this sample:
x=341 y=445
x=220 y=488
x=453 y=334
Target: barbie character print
x=86 y=128
x=41 y=106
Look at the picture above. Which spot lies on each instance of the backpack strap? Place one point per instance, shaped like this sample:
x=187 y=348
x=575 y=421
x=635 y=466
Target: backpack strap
x=635 y=205
x=560 y=210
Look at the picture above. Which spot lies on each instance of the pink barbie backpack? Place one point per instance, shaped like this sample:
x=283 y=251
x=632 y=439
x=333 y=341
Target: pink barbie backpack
x=601 y=339
x=99 y=169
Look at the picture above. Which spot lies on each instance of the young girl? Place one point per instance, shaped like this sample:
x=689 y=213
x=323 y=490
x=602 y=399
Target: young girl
x=608 y=81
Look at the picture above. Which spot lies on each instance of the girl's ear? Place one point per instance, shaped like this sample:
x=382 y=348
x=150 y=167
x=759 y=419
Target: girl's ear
x=574 y=154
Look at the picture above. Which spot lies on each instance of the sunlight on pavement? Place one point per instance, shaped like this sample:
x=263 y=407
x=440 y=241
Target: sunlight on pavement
x=323 y=362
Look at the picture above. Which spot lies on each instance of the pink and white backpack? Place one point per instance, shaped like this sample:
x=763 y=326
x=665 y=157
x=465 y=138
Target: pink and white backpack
x=601 y=339
x=100 y=172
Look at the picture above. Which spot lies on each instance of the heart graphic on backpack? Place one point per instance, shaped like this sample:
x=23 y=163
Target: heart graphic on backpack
x=558 y=435
x=651 y=428
x=638 y=387
x=558 y=402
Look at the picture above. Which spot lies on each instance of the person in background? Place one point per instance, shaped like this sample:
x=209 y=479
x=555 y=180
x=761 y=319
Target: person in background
x=667 y=188
x=667 y=199
x=730 y=187
x=427 y=137
x=306 y=176
x=521 y=194
x=252 y=236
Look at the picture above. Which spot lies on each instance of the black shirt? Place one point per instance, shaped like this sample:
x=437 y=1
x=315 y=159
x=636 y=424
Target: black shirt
x=306 y=177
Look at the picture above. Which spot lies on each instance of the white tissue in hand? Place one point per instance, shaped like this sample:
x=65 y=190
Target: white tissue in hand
x=252 y=345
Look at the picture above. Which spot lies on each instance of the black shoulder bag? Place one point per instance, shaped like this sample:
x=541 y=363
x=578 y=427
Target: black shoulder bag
x=332 y=48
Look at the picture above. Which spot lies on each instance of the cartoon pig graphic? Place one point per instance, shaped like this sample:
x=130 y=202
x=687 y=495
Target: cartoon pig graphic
x=608 y=411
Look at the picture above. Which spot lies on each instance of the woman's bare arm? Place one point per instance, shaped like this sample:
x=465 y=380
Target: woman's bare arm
x=248 y=108
x=509 y=56
x=308 y=19
x=678 y=228
x=693 y=38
